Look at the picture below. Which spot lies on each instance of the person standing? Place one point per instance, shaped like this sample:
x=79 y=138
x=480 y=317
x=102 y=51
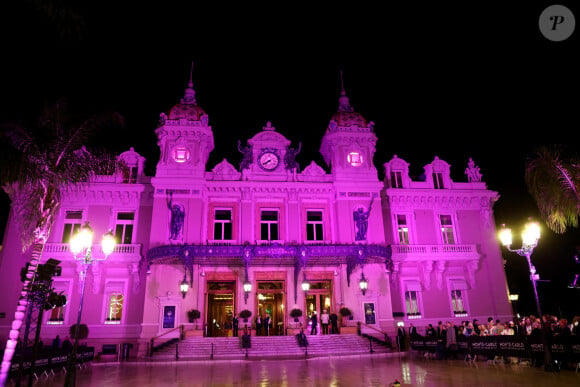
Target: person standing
x=259 y=325
x=314 y=320
x=324 y=320
x=267 y=323
x=56 y=343
x=334 y=323
x=235 y=325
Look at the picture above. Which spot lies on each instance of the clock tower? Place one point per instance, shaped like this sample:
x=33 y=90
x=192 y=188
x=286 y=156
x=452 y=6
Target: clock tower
x=348 y=145
x=185 y=139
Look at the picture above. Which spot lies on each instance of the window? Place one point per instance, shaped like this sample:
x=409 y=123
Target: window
x=413 y=298
x=458 y=297
x=402 y=229
x=72 y=224
x=412 y=303
x=447 y=229
x=438 y=180
x=131 y=178
x=115 y=307
x=124 y=228
x=269 y=225
x=314 y=226
x=396 y=179
x=222 y=226
x=56 y=315
x=457 y=301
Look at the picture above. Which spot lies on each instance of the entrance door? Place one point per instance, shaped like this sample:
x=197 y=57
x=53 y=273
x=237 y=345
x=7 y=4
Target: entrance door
x=220 y=309
x=317 y=300
x=271 y=301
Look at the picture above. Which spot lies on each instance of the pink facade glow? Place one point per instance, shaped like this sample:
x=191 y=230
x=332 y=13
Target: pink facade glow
x=427 y=249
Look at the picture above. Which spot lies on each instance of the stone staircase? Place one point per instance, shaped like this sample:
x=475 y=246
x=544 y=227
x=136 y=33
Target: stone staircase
x=267 y=347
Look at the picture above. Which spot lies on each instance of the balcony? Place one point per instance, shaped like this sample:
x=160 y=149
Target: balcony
x=123 y=253
x=409 y=253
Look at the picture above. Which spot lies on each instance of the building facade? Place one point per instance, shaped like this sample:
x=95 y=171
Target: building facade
x=249 y=237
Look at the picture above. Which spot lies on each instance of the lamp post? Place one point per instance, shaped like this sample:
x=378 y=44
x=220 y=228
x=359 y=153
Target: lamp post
x=81 y=246
x=363 y=283
x=530 y=237
x=184 y=286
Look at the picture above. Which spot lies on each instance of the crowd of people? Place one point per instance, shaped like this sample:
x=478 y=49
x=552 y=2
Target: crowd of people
x=447 y=333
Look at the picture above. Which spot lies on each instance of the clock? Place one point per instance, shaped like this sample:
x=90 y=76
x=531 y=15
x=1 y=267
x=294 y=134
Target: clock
x=268 y=161
x=355 y=159
x=181 y=154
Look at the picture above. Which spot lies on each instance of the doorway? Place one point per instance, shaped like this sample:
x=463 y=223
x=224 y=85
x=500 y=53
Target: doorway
x=270 y=300
x=318 y=298
x=220 y=308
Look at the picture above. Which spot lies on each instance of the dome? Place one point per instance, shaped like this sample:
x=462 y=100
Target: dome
x=187 y=111
x=346 y=116
x=187 y=108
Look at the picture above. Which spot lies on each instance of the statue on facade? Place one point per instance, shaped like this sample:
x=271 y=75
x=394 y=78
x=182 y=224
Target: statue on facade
x=162 y=119
x=177 y=216
x=361 y=222
x=472 y=171
x=290 y=158
x=247 y=156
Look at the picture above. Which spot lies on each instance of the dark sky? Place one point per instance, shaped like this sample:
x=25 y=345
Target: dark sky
x=457 y=81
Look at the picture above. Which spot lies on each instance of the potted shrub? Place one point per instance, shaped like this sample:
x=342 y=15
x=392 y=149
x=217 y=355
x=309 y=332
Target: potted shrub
x=193 y=315
x=345 y=313
x=295 y=314
x=245 y=314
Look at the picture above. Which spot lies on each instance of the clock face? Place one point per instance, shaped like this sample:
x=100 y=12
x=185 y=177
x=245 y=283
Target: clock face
x=355 y=159
x=268 y=161
x=181 y=154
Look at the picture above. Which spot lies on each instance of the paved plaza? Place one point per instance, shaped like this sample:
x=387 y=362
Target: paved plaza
x=366 y=370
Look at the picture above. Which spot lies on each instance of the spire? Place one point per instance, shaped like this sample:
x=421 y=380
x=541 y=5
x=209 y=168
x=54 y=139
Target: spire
x=189 y=96
x=343 y=101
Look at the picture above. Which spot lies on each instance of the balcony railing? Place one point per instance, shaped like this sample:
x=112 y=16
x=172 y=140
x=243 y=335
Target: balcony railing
x=411 y=252
x=62 y=250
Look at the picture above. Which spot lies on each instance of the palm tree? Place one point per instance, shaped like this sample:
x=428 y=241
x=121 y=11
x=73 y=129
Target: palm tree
x=43 y=162
x=554 y=184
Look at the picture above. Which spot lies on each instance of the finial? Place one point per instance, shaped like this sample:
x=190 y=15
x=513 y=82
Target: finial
x=189 y=97
x=191 y=74
x=343 y=101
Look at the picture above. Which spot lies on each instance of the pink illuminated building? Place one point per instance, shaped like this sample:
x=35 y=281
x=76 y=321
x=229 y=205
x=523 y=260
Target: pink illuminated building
x=427 y=249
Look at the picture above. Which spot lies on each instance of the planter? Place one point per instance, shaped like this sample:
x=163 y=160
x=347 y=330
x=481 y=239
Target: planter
x=348 y=330
x=293 y=331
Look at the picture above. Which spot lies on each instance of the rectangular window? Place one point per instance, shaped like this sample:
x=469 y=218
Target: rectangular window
x=412 y=302
x=222 y=225
x=269 y=225
x=124 y=228
x=314 y=226
x=396 y=179
x=402 y=229
x=56 y=315
x=72 y=224
x=115 y=307
x=457 y=301
x=438 y=180
x=447 y=229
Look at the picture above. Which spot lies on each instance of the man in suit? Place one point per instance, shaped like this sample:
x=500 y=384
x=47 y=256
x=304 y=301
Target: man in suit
x=259 y=325
x=235 y=325
x=412 y=331
x=267 y=323
x=334 y=323
x=314 y=320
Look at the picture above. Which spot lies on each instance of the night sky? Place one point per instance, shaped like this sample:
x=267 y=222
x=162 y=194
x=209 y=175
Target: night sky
x=454 y=81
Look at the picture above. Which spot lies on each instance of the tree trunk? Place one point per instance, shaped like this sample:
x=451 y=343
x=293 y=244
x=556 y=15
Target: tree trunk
x=20 y=311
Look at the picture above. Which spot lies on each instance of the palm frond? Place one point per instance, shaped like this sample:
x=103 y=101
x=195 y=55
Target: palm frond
x=553 y=184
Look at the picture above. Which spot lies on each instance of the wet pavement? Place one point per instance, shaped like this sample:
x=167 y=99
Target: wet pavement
x=366 y=370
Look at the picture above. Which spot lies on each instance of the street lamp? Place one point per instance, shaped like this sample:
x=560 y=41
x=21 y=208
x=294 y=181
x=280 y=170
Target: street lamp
x=81 y=246
x=183 y=285
x=530 y=237
x=363 y=283
x=305 y=284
